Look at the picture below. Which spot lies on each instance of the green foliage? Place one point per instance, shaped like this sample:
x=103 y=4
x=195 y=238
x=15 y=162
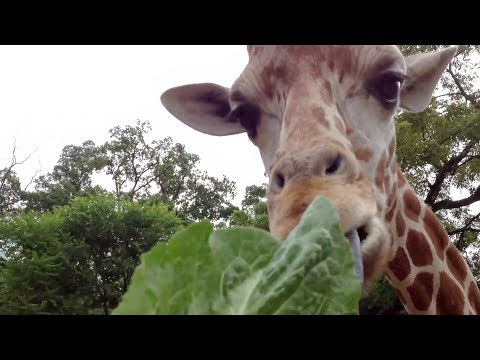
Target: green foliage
x=247 y=271
x=254 y=211
x=40 y=273
x=382 y=299
x=10 y=191
x=77 y=163
x=78 y=259
x=426 y=141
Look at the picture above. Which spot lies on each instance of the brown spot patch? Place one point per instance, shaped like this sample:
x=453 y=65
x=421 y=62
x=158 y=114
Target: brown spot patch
x=450 y=298
x=421 y=291
x=391 y=147
x=474 y=296
x=351 y=91
x=271 y=75
x=327 y=93
x=349 y=130
x=418 y=248
x=400 y=225
x=331 y=64
x=380 y=172
x=456 y=264
x=363 y=154
x=400 y=177
x=371 y=265
x=411 y=205
x=340 y=126
x=400 y=265
x=436 y=232
x=345 y=57
x=319 y=116
x=391 y=212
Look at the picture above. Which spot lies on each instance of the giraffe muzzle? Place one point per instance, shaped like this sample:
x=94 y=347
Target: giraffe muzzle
x=357 y=210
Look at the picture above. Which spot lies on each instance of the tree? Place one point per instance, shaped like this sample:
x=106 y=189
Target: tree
x=116 y=232
x=254 y=211
x=40 y=272
x=10 y=189
x=71 y=177
x=79 y=258
x=167 y=172
x=159 y=171
x=439 y=152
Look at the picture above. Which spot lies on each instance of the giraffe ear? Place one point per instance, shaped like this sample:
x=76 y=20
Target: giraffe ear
x=423 y=72
x=203 y=107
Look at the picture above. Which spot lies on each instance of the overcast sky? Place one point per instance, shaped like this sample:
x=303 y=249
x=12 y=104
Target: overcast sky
x=52 y=96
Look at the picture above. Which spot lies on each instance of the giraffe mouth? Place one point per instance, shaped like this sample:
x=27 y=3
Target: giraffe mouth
x=370 y=243
x=360 y=239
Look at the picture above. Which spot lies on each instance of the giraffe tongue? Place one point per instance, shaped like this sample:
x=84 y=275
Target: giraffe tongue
x=357 y=252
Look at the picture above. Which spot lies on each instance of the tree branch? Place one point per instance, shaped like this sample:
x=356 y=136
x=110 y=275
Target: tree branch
x=143 y=185
x=449 y=167
x=449 y=94
x=455 y=204
x=31 y=180
x=14 y=163
x=179 y=188
x=470 y=158
x=462 y=230
x=466 y=227
x=469 y=98
x=135 y=175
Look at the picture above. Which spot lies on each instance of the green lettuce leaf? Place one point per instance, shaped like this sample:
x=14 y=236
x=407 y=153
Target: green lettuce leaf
x=247 y=271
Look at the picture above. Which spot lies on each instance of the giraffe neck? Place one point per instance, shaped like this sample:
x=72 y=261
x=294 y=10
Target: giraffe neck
x=427 y=271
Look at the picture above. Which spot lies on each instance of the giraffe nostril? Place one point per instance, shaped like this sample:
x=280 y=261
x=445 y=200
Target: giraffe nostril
x=334 y=165
x=279 y=180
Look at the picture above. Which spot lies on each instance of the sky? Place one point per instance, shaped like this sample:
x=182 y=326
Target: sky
x=53 y=96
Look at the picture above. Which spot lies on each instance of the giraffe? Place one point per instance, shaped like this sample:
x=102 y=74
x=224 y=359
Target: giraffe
x=322 y=118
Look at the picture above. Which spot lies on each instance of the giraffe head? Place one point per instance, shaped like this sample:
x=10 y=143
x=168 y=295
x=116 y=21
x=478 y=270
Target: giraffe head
x=322 y=119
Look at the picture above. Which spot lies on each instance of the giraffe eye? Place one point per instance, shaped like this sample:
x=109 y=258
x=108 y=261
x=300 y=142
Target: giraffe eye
x=386 y=88
x=248 y=116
